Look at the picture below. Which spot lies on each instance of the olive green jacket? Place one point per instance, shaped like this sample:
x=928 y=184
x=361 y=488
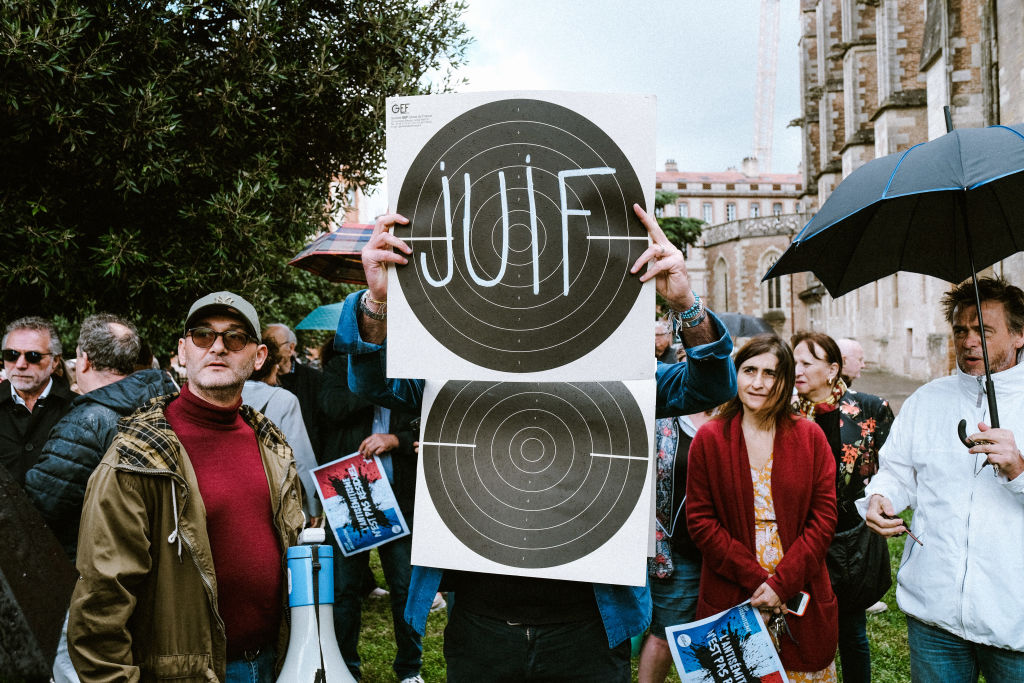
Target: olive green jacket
x=145 y=606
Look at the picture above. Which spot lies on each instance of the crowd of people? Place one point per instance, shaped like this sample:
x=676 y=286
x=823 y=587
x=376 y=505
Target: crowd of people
x=176 y=492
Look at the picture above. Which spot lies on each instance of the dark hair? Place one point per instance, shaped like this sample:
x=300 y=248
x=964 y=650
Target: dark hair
x=34 y=322
x=989 y=289
x=778 y=409
x=108 y=348
x=273 y=358
x=144 y=360
x=820 y=340
x=327 y=352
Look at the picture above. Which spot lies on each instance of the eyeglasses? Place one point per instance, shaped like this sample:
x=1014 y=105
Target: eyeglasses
x=204 y=337
x=33 y=357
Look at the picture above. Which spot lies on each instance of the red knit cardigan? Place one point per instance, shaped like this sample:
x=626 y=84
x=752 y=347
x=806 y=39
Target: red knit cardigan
x=720 y=516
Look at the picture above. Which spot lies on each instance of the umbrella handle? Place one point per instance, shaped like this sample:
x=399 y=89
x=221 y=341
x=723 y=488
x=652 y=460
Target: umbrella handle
x=961 y=431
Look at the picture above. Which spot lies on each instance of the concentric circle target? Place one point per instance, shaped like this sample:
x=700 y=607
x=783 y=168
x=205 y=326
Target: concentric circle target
x=533 y=474
x=523 y=235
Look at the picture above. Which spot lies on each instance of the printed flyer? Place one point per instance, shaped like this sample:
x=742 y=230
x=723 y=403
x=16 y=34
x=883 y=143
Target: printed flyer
x=728 y=647
x=360 y=506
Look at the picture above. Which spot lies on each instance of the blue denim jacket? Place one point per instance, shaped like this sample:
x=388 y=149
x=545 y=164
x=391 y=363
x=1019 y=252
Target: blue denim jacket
x=707 y=379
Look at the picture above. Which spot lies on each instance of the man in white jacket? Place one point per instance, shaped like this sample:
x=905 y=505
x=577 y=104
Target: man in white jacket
x=961 y=586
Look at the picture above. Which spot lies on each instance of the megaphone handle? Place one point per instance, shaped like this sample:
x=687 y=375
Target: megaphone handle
x=321 y=674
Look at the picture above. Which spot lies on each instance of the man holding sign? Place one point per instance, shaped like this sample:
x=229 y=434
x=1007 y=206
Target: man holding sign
x=519 y=628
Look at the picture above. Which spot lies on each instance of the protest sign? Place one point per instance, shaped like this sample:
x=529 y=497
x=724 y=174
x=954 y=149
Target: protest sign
x=541 y=479
x=523 y=234
x=360 y=506
x=729 y=647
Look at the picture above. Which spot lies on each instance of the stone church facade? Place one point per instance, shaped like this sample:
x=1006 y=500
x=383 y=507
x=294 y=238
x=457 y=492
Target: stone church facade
x=875 y=75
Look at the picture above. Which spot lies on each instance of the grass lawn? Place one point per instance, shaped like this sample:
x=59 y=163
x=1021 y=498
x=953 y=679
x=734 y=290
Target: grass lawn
x=887 y=632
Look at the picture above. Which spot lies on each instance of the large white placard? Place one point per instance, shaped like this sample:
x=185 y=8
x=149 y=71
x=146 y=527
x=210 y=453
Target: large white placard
x=523 y=234
x=541 y=479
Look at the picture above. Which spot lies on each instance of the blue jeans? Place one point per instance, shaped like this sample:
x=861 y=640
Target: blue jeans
x=939 y=656
x=349 y=589
x=854 y=650
x=675 y=597
x=257 y=670
x=479 y=648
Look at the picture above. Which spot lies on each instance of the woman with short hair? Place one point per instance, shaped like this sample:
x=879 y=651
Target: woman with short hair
x=855 y=425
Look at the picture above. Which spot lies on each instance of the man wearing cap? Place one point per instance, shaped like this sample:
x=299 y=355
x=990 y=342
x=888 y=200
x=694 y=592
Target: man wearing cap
x=186 y=521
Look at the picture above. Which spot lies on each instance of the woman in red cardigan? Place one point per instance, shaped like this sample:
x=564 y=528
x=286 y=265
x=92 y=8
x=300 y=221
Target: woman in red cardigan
x=761 y=506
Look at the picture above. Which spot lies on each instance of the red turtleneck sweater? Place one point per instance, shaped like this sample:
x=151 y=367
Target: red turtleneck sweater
x=239 y=518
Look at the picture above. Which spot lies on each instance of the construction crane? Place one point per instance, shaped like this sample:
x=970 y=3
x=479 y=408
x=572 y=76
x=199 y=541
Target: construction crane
x=764 y=104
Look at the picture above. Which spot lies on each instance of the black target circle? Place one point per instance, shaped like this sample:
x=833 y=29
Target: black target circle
x=534 y=474
x=521 y=290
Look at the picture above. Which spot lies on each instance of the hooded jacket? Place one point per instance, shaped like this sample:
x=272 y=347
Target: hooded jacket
x=965 y=579
x=145 y=606
x=281 y=407
x=56 y=484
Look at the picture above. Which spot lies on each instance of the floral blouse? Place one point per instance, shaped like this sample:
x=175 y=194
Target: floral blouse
x=864 y=421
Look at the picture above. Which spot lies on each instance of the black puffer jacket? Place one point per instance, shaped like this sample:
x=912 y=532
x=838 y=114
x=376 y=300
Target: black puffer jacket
x=56 y=484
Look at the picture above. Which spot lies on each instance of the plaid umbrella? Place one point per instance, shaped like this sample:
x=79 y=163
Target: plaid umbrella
x=335 y=255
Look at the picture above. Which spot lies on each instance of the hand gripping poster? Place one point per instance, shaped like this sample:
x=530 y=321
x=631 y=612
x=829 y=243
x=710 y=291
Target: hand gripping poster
x=729 y=647
x=359 y=503
x=523 y=235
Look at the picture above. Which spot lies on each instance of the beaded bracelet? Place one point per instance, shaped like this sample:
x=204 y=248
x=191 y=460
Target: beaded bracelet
x=382 y=308
x=694 y=321
x=691 y=312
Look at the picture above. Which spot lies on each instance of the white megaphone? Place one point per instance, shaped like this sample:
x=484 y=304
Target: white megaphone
x=313 y=655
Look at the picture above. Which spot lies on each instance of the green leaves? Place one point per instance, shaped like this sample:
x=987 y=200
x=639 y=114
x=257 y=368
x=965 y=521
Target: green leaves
x=156 y=151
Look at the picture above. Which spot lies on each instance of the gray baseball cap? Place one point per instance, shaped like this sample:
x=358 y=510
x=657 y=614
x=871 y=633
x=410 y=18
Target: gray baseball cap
x=226 y=302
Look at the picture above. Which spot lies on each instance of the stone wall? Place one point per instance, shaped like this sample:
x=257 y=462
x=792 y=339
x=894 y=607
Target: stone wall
x=876 y=75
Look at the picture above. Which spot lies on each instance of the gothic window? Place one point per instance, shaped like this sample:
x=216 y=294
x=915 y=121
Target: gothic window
x=720 y=286
x=771 y=290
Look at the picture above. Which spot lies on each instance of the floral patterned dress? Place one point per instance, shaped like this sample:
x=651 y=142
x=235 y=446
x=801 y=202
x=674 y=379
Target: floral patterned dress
x=768 y=547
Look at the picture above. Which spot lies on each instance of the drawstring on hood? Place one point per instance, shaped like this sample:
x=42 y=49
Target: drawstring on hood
x=174 y=534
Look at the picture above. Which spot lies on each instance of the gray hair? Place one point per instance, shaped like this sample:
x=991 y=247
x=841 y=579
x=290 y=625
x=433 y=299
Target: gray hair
x=289 y=335
x=34 y=322
x=109 y=348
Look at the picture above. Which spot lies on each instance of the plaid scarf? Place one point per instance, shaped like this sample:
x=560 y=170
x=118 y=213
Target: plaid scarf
x=809 y=408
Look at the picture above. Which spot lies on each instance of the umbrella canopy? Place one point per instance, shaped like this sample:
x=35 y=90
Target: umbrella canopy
x=742 y=325
x=335 y=255
x=322 y=318
x=943 y=208
x=924 y=210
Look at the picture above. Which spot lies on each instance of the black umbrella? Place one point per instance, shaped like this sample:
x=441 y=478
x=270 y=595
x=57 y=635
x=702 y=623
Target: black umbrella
x=942 y=208
x=743 y=325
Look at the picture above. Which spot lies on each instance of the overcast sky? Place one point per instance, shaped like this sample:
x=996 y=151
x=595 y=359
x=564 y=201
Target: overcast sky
x=698 y=57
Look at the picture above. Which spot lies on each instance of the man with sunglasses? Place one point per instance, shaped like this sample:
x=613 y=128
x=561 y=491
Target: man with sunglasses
x=32 y=400
x=186 y=521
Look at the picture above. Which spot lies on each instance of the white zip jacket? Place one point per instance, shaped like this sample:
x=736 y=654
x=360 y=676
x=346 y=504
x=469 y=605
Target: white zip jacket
x=967 y=577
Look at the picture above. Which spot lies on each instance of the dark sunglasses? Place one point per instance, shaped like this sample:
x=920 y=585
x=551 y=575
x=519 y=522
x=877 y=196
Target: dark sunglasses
x=204 y=337
x=33 y=357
